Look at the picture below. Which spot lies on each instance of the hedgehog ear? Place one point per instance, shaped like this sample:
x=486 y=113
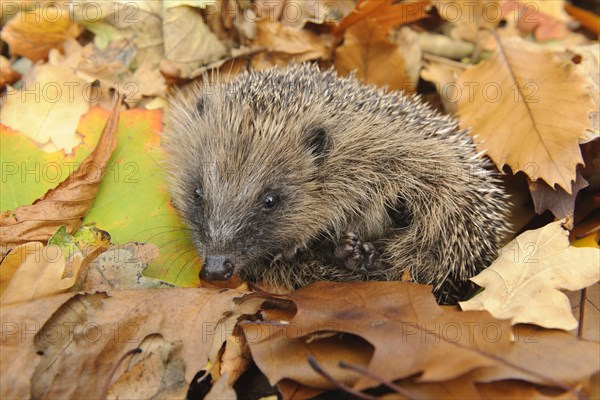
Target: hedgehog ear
x=317 y=141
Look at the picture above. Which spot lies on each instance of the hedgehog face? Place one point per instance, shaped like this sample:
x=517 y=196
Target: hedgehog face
x=245 y=193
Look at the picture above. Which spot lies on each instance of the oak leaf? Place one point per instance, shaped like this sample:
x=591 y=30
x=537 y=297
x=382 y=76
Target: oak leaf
x=395 y=329
x=516 y=105
x=524 y=283
x=73 y=341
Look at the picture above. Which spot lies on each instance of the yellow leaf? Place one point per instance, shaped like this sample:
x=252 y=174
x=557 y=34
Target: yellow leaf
x=528 y=110
x=33 y=33
x=524 y=283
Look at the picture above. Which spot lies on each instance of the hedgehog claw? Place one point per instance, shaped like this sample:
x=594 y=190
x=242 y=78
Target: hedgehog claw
x=356 y=254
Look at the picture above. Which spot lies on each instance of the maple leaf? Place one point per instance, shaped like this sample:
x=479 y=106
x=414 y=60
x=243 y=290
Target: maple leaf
x=523 y=283
x=516 y=105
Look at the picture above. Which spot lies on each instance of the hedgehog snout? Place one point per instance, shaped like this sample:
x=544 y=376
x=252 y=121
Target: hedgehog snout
x=217 y=268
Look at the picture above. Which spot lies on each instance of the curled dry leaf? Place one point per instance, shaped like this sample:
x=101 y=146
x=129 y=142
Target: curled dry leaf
x=34 y=33
x=33 y=270
x=524 y=283
x=375 y=59
x=69 y=202
x=515 y=102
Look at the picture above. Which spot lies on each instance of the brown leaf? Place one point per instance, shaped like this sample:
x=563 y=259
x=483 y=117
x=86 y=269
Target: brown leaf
x=68 y=203
x=368 y=51
x=187 y=325
x=558 y=201
x=516 y=105
x=407 y=332
x=384 y=13
x=34 y=33
x=287 y=44
x=546 y=357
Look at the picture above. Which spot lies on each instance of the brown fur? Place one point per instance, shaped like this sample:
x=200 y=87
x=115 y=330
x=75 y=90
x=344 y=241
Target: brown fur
x=384 y=155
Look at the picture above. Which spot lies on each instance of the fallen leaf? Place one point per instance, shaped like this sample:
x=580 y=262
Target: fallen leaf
x=68 y=203
x=29 y=171
x=545 y=357
x=33 y=270
x=33 y=33
x=20 y=325
x=559 y=202
x=444 y=75
x=120 y=267
x=71 y=351
x=289 y=43
x=136 y=167
x=221 y=391
x=523 y=283
x=156 y=372
x=470 y=20
x=385 y=14
x=201 y=46
x=368 y=51
x=397 y=327
x=515 y=102
x=48 y=109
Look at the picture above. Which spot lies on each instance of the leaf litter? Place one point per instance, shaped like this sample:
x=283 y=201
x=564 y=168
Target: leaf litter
x=87 y=290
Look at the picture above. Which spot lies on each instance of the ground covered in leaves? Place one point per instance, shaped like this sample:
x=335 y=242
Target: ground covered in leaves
x=99 y=280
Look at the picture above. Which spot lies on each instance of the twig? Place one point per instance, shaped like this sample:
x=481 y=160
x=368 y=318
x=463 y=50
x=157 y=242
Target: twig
x=315 y=365
x=582 y=300
x=370 y=375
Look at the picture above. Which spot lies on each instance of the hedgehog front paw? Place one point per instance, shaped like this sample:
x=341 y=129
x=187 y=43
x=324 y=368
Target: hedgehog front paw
x=357 y=255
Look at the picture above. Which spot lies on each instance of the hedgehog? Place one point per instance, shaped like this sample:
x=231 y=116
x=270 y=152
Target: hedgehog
x=289 y=176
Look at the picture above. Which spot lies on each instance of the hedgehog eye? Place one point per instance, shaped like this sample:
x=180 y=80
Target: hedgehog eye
x=198 y=194
x=269 y=202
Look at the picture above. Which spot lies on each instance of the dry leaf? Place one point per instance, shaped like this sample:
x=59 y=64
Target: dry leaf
x=395 y=329
x=68 y=203
x=289 y=43
x=516 y=105
x=95 y=330
x=120 y=267
x=444 y=75
x=384 y=13
x=469 y=17
x=221 y=390
x=524 y=283
x=20 y=325
x=559 y=202
x=201 y=46
x=33 y=33
x=33 y=270
x=368 y=51
x=49 y=108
